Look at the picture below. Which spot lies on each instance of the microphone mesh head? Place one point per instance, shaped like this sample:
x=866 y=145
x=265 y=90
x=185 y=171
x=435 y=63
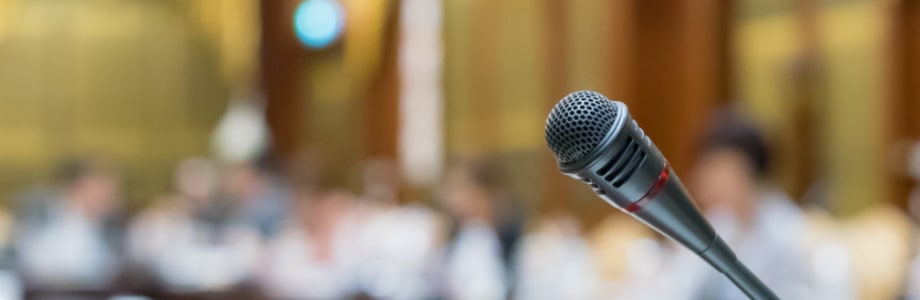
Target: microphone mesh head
x=578 y=123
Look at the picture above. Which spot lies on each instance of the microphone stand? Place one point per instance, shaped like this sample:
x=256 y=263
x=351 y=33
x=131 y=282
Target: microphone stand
x=721 y=257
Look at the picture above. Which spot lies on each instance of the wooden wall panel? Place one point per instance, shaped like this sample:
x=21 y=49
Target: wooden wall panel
x=282 y=59
x=505 y=69
x=381 y=100
x=676 y=74
x=904 y=107
x=138 y=82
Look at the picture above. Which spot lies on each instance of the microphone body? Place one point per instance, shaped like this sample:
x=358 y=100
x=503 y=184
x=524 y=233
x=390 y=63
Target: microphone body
x=595 y=140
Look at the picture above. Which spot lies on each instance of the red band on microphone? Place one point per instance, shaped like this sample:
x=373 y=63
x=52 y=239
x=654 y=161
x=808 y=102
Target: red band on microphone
x=659 y=185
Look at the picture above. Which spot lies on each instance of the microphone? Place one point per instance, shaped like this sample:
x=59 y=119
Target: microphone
x=595 y=140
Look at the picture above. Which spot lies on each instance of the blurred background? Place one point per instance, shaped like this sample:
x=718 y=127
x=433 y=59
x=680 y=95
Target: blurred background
x=394 y=149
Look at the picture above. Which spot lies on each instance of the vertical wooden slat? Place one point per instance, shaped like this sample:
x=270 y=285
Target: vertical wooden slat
x=675 y=74
x=484 y=56
x=282 y=59
x=381 y=100
x=724 y=58
x=557 y=188
x=803 y=159
x=904 y=108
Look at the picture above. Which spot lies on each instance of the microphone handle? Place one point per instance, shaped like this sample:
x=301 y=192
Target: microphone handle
x=721 y=257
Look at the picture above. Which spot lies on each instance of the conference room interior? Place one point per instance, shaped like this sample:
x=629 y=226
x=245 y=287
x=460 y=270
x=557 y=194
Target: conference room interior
x=395 y=149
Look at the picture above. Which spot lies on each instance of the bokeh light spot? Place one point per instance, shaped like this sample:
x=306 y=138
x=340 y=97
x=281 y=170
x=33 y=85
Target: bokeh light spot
x=318 y=22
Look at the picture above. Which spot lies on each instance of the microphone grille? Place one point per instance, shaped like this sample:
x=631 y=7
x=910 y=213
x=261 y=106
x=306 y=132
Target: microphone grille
x=578 y=123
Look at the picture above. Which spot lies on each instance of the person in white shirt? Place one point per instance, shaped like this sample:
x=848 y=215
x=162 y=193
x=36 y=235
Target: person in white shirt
x=316 y=254
x=553 y=261
x=476 y=260
x=260 y=196
x=760 y=223
x=189 y=242
x=912 y=284
x=399 y=240
x=71 y=247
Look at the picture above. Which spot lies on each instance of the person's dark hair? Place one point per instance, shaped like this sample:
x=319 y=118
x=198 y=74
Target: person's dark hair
x=71 y=170
x=731 y=130
x=489 y=174
x=486 y=173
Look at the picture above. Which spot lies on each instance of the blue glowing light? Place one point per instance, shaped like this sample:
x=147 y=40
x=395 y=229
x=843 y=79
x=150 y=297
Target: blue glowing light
x=318 y=22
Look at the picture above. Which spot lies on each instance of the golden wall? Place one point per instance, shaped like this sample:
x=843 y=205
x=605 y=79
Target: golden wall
x=847 y=98
x=141 y=82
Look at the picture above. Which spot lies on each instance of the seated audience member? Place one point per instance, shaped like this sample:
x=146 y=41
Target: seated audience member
x=758 y=221
x=190 y=241
x=475 y=262
x=553 y=261
x=912 y=284
x=399 y=242
x=627 y=254
x=72 y=246
x=260 y=197
x=315 y=255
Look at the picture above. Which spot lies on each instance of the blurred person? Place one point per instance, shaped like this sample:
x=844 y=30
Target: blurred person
x=476 y=259
x=621 y=266
x=73 y=245
x=760 y=222
x=830 y=260
x=10 y=282
x=399 y=240
x=241 y=142
x=553 y=261
x=315 y=254
x=912 y=286
x=190 y=241
x=260 y=196
x=315 y=257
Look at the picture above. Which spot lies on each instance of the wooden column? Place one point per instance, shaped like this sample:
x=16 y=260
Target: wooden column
x=485 y=87
x=670 y=66
x=558 y=189
x=904 y=107
x=803 y=157
x=282 y=59
x=724 y=57
x=381 y=100
x=675 y=74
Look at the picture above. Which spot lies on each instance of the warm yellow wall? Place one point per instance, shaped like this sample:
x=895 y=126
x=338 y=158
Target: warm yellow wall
x=497 y=50
x=855 y=129
x=498 y=70
x=139 y=81
x=849 y=110
x=495 y=76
